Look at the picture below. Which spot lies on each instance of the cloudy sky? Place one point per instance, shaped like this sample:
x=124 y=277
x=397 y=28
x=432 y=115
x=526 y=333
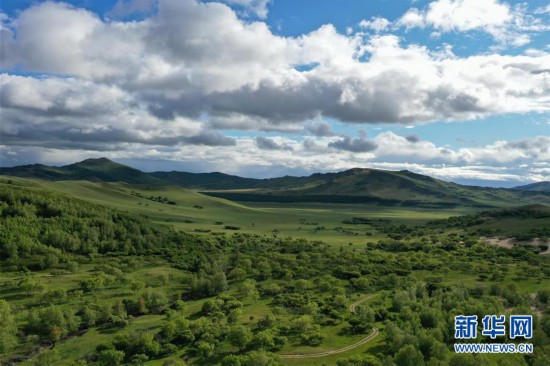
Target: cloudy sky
x=456 y=89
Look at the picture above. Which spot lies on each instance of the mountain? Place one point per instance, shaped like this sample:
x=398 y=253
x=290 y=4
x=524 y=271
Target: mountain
x=535 y=187
x=101 y=169
x=214 y=180
x=385 y=188
x=351 y=186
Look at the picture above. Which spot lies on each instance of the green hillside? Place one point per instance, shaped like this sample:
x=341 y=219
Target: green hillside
x=195 y=212
x=535 y=187
x=387 y=188
x=101 y=169
x=368 y=186
x=522 y=222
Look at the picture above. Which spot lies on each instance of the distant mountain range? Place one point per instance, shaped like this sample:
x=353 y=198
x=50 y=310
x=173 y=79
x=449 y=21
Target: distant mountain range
x=97 y=170
x=535 y=187
x=350 y=186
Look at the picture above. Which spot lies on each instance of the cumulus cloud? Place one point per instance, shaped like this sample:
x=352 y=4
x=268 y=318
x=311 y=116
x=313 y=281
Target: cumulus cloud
x=412 y=138
x=520 y=160
x=525 y=150
x=168 y=84
x=413 y=18
x=321 y=129
x=358 y=145
x=535 y=149
x=265 y=143
x=377 y=24
x=505 y=23
x=172 y=64
x=543 y=10
x=211 y=138
x=527 y=159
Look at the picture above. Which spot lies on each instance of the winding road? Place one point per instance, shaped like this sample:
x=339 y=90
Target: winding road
x=371 y=336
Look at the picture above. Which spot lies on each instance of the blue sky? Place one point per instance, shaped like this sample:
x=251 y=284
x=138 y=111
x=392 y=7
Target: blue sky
x=456 y=89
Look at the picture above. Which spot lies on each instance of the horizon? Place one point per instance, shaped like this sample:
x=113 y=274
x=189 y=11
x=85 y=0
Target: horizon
x=438 y=87
x=262 y=178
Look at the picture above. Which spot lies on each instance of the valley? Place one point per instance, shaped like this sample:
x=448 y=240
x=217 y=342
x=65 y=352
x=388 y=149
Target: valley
x=126 y=272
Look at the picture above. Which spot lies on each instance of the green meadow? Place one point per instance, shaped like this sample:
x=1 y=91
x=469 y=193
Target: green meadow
x=114 y=273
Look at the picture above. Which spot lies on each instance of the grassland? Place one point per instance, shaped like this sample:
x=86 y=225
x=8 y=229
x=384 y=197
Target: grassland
x=409 y=258
x=195 y=212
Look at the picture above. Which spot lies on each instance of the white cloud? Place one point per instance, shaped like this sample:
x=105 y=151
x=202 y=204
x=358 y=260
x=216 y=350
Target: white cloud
x=543 y=10
x=413 y=18
x=377 y=24
x=505 y=23
x=281 y=155
x=465 y=15
x=168 y=82
x=172 y=64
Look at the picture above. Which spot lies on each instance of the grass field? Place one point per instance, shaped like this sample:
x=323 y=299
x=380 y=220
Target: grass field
x=195 y=212
x=350 y=230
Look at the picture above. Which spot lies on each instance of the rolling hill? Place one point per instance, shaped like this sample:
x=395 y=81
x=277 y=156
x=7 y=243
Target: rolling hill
x=96 y=170
x=388 y=188
x=535 y=187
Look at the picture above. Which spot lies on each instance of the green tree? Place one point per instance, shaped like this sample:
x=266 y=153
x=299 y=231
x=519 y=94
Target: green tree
x=409 y=356
x=110 y=357
x=8 y=328
x=239 y=336
x=155 y=299
x=205 y=349
x=248 y=290
x=49 y=357
x=137 y=286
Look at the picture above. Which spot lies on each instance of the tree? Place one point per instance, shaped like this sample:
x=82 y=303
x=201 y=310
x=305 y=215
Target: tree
x=50 y=357
x=119 y=309
x=361 y=283
x=205 y=349
x=248 y=290
x=89 y=316
x=302 y=324
x=260 y=358
x=264 y=340
x=219 y=283
x=155 y=300
x=8 y=328
x=110 y=357
x=139 y=359
x=173 y=362
x=234 y=315
x=56 y=333
x=30 y=285
x=313 y=337
x=409 y=356
x=239 y=336
x=137 y=286
x=144 y=343
x=462 y=359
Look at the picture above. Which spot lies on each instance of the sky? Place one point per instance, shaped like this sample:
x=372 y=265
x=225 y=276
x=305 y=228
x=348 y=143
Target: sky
x=455 y=89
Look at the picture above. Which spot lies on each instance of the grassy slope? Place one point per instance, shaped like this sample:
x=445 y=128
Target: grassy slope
x=311 y=220
x=383 y=187
x=535 y=187
x=90 y=169
x=400 y=186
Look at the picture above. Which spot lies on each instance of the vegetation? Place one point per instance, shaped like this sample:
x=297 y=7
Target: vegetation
x=369 y=186
x=114 y=277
